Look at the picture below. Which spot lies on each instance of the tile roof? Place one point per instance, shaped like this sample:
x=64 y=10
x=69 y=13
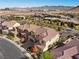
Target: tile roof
x=41 y=30
x=76 y=56
x=10 y=23
x=24 y=27
x=38 y=29
x=50 y=32
x=60 y=51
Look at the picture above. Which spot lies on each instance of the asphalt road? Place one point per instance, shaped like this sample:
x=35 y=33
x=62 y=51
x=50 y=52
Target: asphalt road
x=9 y=51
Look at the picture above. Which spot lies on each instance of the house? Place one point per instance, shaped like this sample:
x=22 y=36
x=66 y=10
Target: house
x=10 y=27
x=10 y=24
x=68 y=51
x=45 y=36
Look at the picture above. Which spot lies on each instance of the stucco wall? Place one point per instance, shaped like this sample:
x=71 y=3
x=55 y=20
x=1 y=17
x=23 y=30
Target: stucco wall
x=53 y=40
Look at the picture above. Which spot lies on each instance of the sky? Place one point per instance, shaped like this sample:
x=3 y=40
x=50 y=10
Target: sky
x=36 y=3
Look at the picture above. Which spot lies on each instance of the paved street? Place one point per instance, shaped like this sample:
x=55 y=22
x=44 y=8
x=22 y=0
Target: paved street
x=9 y=51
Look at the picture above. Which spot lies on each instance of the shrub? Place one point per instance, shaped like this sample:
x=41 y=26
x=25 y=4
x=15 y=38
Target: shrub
x=47 y=55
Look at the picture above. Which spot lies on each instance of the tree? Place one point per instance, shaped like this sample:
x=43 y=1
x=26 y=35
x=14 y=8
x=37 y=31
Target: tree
x=10 y=37
x=47 y=55
x=59 y=42
x=6 y=9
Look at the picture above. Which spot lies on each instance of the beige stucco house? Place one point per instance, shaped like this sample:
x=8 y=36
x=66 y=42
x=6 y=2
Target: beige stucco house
x=10 y=24
x=47 y=36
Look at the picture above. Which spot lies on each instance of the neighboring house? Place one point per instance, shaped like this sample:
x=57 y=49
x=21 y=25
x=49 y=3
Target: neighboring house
x=10 y=24
x=68 y=51
x=10 y=27
x=45 y=36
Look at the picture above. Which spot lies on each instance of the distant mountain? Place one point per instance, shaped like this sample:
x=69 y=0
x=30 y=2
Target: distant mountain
x=44 y=7
x=53 y=7
x=41 y=8
x=75 y=9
